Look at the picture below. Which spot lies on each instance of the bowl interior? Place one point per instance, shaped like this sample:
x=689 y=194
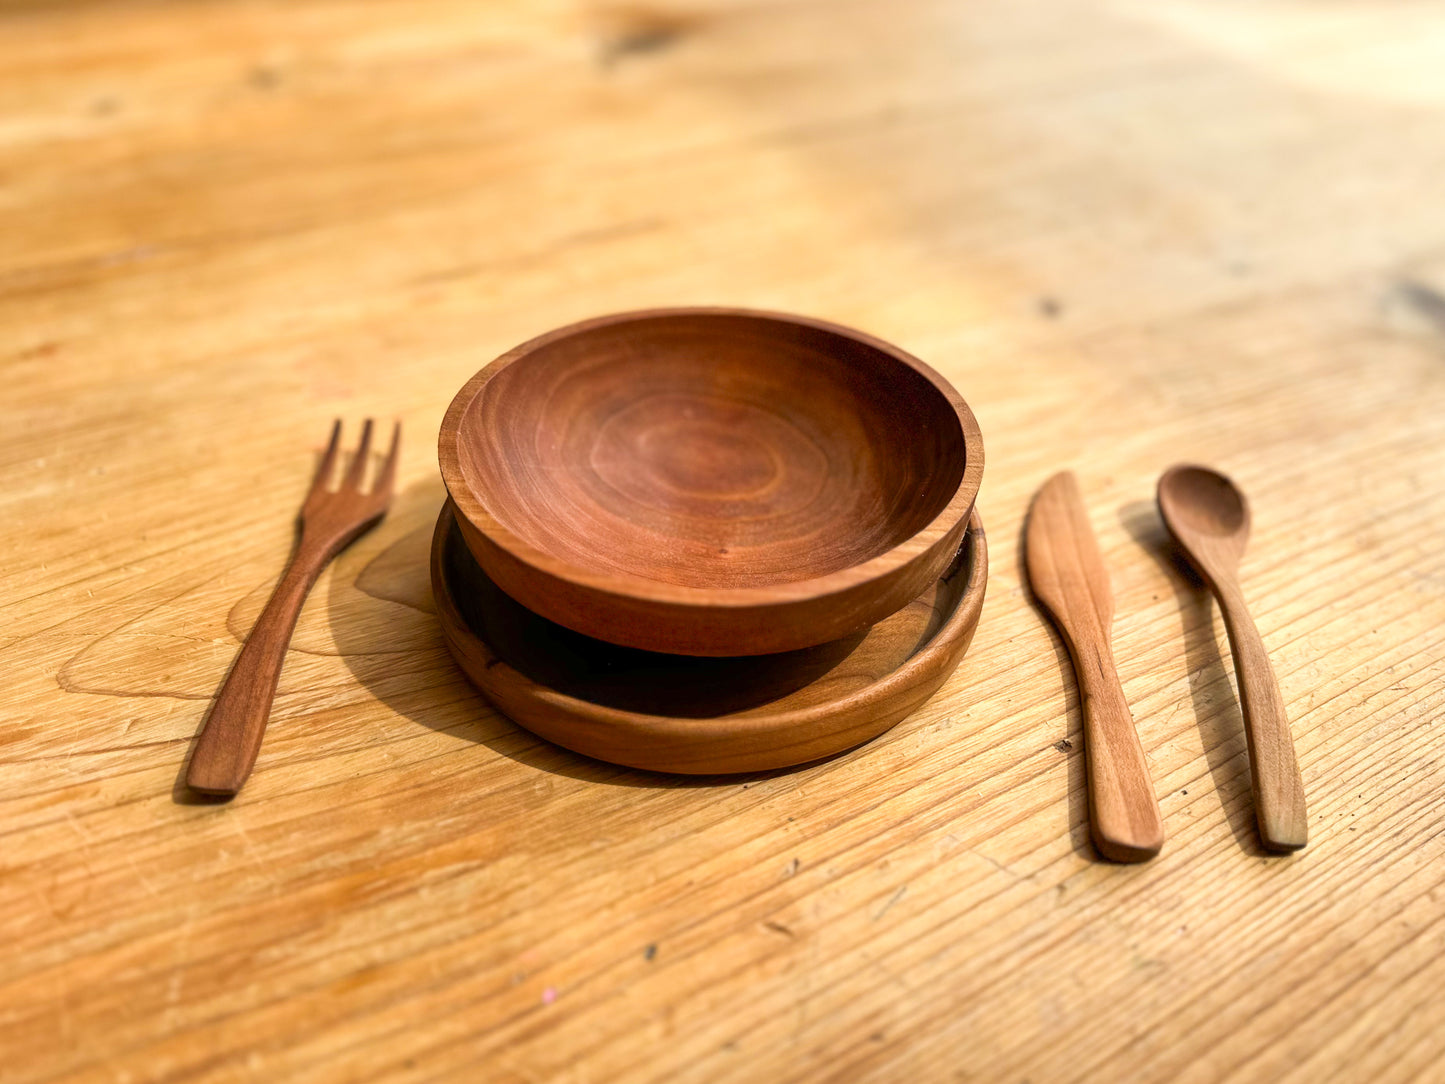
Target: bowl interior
x=711 y=450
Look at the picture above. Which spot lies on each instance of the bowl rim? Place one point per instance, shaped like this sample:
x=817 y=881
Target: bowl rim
x=628 y=586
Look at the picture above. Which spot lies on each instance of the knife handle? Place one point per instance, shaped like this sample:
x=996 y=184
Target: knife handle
x=1123 y=810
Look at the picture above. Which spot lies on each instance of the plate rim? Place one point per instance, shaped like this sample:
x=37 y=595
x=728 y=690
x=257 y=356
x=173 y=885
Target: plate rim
x=941 y=653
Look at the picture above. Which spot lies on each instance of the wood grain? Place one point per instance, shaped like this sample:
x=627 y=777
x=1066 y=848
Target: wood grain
x=707 y=481
x=1130 y=234
x=1068 y=577
x=703 y=716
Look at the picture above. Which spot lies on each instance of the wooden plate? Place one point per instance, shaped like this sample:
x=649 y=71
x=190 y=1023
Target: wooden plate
x=711 y=481
x=676 y=713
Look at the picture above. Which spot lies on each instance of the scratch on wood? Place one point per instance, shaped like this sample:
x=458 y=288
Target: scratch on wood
x=891 y=901
x=580 y=238
x=996 y=864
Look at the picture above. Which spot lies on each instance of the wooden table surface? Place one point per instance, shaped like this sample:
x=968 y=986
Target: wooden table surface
x=1131 y=232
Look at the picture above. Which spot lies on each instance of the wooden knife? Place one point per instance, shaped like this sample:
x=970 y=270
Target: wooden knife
x=1068 y=577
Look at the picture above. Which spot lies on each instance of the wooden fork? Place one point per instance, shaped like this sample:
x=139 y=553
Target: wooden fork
x=329 y=522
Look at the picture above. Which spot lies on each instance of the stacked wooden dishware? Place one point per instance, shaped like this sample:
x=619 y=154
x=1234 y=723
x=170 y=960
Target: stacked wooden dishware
x=708 y=540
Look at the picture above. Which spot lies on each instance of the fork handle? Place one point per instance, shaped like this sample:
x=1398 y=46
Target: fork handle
x=231 y=738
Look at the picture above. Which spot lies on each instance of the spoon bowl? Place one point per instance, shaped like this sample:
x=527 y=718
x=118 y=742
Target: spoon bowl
x=1204 y=501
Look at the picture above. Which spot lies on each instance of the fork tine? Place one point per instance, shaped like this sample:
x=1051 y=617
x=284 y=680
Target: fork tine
x=326 y=467
x=387 y=475
x=357 y=471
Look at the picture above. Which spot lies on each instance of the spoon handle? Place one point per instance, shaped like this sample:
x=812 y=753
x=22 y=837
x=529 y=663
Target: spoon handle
x=1123 y=811
x=1279 y=793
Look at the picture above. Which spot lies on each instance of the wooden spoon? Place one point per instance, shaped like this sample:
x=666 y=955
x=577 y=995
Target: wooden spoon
x=1209 y=517
x=1068 y=576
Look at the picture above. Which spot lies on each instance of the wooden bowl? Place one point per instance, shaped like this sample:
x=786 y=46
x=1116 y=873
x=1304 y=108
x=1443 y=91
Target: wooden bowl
x=711 y=481
x=673 y=713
